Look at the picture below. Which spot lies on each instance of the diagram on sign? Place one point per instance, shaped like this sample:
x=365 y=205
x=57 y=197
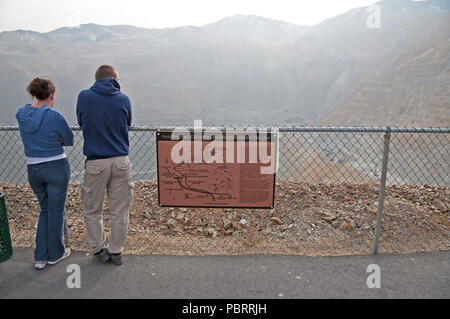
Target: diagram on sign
x=197 y=181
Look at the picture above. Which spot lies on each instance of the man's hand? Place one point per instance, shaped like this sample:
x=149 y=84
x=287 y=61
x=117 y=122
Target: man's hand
x=61 y=140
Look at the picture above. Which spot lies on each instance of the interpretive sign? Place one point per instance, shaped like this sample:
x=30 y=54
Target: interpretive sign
x=216 y=168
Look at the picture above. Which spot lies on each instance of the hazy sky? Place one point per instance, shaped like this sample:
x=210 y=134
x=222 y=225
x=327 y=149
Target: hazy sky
x=47 y=15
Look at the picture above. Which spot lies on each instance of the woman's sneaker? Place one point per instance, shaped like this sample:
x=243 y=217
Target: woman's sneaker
x=64 y=256
x=40 y=264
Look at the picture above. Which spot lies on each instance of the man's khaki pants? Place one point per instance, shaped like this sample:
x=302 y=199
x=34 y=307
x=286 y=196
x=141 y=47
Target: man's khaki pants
x=112 y=174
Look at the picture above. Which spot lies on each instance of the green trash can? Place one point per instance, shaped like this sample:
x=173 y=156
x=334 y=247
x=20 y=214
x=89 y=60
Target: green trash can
x=5 y=236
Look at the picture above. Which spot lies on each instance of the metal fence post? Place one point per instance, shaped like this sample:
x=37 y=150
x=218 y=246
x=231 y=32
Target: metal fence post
x=387 y=139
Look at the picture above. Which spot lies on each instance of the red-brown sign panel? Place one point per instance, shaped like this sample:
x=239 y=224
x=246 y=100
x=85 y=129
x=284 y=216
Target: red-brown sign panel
x=230 y=182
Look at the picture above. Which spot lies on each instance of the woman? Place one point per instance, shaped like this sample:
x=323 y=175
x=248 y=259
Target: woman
x=44 y=132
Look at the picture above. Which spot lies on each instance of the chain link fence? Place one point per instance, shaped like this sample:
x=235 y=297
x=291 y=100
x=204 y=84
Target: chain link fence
x=332 y=197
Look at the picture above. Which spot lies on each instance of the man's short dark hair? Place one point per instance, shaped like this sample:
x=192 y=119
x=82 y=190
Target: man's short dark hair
x=106 y=71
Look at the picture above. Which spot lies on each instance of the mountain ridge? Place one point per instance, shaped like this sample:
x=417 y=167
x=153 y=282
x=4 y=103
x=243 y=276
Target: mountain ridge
x=225 y=73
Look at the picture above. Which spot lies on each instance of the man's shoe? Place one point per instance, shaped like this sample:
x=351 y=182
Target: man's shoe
x=117 y=258
x=64 y=256
x=102 y=255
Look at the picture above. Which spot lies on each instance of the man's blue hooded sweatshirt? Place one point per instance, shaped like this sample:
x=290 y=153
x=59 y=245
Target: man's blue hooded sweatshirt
x=104 y=114
x=41 y=129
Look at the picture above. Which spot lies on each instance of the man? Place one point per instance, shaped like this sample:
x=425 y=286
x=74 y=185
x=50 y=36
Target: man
x=104 y=114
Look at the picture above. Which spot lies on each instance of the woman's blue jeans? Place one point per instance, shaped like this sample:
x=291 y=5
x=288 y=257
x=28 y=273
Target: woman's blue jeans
x=49 y=181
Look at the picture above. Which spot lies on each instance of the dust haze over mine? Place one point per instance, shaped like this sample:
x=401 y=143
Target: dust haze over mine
x=251 y=70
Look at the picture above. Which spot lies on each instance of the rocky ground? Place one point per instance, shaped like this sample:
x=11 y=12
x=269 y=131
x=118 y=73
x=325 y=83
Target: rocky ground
x=307 y=219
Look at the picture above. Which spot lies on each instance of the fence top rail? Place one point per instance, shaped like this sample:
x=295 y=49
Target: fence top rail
x=367 y=129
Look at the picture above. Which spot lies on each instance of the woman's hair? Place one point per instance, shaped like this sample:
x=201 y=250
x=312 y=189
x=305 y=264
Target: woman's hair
x=40 y=88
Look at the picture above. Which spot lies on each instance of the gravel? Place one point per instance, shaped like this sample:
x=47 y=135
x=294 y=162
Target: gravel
x=307 y=219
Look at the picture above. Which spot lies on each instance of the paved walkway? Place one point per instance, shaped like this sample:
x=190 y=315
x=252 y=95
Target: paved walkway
x=424 y=275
